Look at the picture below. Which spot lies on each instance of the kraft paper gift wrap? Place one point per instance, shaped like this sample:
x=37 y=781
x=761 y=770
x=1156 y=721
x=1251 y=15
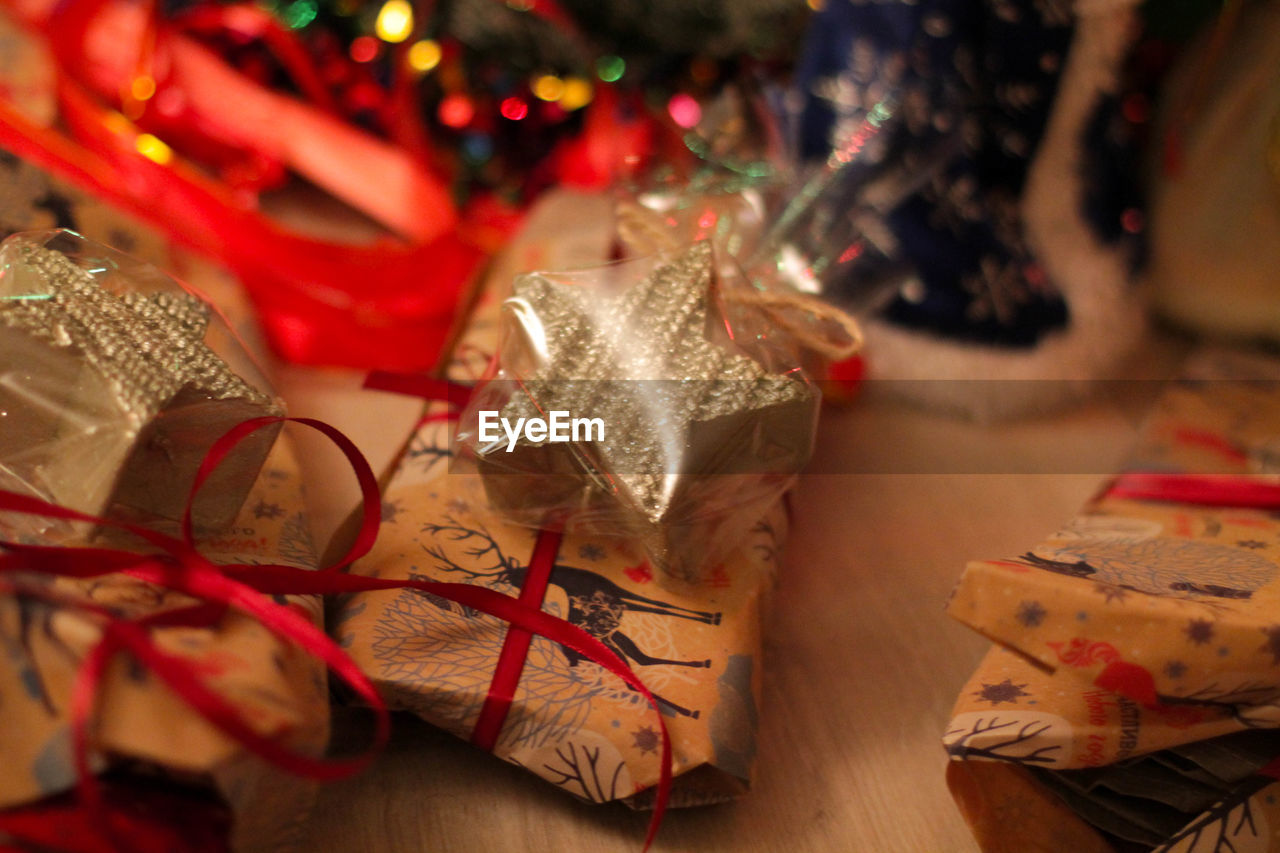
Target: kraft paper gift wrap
x=696 y=646
x=157 y=756
x=1143 y=636
x=140 y=724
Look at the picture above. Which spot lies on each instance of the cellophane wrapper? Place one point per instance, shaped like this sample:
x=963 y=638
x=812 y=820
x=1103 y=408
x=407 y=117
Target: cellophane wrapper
x=1142 y=635
x=683 y=419
x=170 y=779
x=115 y=382
x=696 y=645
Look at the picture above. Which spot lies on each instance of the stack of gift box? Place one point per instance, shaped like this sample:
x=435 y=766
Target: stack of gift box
x=569 y=559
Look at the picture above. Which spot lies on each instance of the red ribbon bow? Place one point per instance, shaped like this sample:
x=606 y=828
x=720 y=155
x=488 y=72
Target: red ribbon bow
x=177 y=565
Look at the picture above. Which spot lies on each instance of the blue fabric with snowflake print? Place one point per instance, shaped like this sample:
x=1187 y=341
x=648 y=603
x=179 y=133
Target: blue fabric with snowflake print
x=969 y=85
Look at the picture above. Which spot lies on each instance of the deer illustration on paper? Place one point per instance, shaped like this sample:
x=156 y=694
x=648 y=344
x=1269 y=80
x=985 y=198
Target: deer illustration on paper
x=597 y=605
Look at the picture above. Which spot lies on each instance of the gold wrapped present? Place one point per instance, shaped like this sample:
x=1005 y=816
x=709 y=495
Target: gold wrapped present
x=696 y=645
x=1137 y=673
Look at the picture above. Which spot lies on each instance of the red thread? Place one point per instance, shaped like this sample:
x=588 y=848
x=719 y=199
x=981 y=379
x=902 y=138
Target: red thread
x=515 y=647
x=1198 y=489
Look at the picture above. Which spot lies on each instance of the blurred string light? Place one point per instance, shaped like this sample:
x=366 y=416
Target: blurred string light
x=364 y=49
x=611 y=68
x=299 y=13
x=424 y=55
x=142 y=87
x=395 y=21
x=547 y=87
x=513 y=108
x=477 y=149
x=456 y=110
x=575 y=95
x=684 y=110
x=153 y=148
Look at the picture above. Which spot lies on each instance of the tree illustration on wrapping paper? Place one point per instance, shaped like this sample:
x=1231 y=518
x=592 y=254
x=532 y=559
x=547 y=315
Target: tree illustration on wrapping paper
x=440 y=658
x=428 y=449
x=297 y=547
x=1235 y=824
x=586 y=765
x=29 y=622
x=1025 y=737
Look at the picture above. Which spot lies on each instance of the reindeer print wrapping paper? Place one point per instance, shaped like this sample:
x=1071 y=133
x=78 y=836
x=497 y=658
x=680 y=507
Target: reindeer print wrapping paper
x=1141 y=628
x=696 y=646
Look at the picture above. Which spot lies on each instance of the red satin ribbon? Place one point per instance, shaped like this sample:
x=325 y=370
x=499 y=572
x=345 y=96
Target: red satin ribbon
x=1200 y=489
x=515 y=647
x=179 y=566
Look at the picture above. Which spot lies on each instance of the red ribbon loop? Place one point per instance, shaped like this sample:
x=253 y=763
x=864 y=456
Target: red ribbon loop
x=245 y=588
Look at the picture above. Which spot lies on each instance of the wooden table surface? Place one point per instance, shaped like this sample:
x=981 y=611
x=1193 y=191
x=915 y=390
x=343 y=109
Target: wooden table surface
x=861 y=668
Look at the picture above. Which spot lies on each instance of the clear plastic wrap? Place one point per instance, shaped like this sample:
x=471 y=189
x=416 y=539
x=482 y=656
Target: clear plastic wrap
x=644 y=399
x=812 y=230
x=115 y=380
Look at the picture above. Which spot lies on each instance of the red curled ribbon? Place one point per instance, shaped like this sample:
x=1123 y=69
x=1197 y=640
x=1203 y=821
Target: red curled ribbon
x=178 y=566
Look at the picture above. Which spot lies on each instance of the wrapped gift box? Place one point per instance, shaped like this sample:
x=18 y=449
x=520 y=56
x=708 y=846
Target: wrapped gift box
x=1140 y=632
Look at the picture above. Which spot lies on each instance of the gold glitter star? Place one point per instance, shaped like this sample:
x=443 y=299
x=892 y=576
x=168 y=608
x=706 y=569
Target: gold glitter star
x=147 y=346
x=119 y=397
x=676 y=406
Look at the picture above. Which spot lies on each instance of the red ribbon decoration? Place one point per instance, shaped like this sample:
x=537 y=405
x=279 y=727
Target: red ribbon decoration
x=515 y=647
x=389 y=304
x=245 y=588
x=1200 y=489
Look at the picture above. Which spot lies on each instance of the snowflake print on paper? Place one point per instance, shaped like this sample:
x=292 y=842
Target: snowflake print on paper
x=1175 y=669
x=1005 y=691
x=390 y=509
x=591 y=552
x=1252 y=544
x=1031 y=614
x=645 y=739
x=1199 y=631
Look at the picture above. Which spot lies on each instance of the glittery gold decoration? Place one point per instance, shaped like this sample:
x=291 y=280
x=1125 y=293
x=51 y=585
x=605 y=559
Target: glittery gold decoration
x=111 y=401
x=148 y=346
x=677 y=407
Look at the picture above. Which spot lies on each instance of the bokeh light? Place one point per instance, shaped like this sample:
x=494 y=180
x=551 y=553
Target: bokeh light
x=684 y=110
x=611 y=68
x=576 y=95
x=548 y=87
x=513 y=108
x=456 y=110
x=153 y=148
x=424 y=55
x=364 y=49
x=395 y=21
